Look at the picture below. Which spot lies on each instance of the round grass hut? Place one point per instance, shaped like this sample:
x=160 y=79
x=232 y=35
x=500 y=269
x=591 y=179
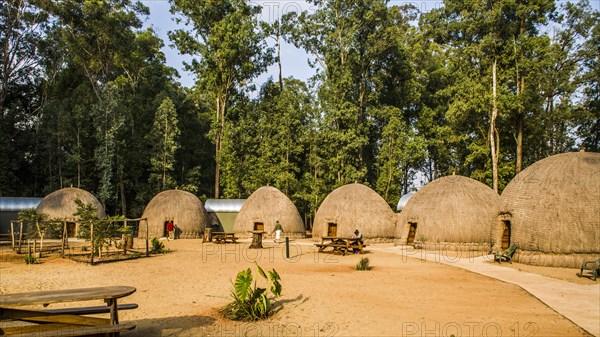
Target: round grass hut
x=450 y=213
x=60 y=204
x=263 y=208
x=183 y=208
x=355 y=206
x=551 y=211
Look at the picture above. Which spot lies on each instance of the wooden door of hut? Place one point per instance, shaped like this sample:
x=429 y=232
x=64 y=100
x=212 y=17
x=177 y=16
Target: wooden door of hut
x=331 y=229
x=505 y=235
x=412 y=232
x=259 y=226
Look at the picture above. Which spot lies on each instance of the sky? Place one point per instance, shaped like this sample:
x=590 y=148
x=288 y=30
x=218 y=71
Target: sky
x=294 y=60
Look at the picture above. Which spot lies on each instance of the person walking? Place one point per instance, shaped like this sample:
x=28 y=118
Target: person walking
x=278 y=230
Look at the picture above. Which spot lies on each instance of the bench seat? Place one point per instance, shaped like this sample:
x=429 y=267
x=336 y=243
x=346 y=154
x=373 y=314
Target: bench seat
x=101 y=309
x=64 y=330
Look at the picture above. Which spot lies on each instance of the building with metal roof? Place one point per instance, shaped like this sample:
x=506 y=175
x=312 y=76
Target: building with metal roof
x=222 y=213
x=10 y=208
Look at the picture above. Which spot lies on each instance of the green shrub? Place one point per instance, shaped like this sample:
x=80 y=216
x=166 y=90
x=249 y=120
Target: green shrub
x=30 y=259
x=158 y=247
x=363 y=264
x=251 y=303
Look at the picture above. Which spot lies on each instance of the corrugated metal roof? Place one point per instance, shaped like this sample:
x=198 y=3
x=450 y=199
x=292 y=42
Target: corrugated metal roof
x=402 y=202
x=224 y=205
x=15 y=204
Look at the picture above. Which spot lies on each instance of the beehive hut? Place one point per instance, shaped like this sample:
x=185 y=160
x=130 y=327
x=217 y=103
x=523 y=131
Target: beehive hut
x=551 y=210
x=450 y=213
x=61 y=205
x=263 y=208
x=355 y=206
x=183 y=208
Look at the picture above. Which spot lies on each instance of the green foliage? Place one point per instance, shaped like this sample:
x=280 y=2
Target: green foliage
x=363 y=264
x=164 y=144
x=157 y=247
x=251 y=303
x=29 y=259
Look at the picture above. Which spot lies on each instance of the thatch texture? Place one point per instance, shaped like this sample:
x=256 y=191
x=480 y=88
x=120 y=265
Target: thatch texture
x=356 y=206
x=452 y=213
x=554 y=211
x=60 y=204
x=184 y=208
x=267 y=205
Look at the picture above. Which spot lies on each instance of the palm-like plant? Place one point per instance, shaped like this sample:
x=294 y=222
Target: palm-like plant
x=251 y=303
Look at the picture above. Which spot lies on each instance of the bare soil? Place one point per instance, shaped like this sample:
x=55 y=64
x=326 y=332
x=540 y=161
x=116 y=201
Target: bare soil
x=180 y=293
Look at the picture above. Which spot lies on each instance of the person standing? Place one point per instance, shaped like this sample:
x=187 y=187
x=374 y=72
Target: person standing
x=278 y=230
x=170 y=230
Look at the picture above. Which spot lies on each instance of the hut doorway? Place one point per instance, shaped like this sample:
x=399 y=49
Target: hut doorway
x=331 y=229
x=259 y=226
x=505 y=234
x=165 y=232
x=71 y=230
x=412 y=232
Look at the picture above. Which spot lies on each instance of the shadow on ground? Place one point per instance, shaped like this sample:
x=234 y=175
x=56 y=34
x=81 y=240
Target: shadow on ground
x=173 y=326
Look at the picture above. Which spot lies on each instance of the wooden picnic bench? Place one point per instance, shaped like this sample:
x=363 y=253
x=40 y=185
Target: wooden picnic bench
x=224 y=237
x=340 y=244
x=65 y=321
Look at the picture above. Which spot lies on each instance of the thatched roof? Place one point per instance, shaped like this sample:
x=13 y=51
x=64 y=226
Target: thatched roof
x=60 y=204
x=184 y=208
x=356 y=206
x=554 y=210
x=267 y=205
x=456 y=211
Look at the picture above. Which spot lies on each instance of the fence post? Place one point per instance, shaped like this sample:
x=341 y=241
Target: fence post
x=64 y=237
x=20 y=236
x=147 y=252
x=92 y=241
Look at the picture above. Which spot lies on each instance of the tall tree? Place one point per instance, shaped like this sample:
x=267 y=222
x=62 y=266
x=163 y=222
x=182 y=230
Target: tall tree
x=224 y=36
x=164 y=139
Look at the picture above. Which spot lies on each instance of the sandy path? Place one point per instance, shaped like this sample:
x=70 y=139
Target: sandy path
x=179 y=294
x=578 y=302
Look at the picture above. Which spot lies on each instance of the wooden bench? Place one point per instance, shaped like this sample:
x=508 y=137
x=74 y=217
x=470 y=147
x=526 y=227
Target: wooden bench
x=223 y=237
x=64 y=330
x=340 y=244
x=65 y=321
x=101 y=309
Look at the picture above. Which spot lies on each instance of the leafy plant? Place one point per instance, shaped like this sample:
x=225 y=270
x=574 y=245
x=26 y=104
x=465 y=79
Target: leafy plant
x=251 y=303
x=363 y=264
x=158 y=247
x=29 y=259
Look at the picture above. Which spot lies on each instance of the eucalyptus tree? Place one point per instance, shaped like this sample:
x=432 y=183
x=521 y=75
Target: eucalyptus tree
x=164 y=144
x=228 y=50
x=358 y=50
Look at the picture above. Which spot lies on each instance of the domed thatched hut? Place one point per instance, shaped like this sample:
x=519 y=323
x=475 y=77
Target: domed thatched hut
x=355 y=206
x=551 y=210
x=451 y=213
x=183 y=208
x=263 y=208
x=60 y=204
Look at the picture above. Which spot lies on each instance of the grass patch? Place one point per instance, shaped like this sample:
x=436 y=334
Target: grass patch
x=363 y=264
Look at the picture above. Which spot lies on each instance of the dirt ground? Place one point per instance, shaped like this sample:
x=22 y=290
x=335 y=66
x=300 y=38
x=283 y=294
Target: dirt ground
x=180 y=293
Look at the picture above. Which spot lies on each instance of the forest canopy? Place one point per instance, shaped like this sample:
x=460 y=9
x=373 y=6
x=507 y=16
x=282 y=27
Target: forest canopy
x=480 y=88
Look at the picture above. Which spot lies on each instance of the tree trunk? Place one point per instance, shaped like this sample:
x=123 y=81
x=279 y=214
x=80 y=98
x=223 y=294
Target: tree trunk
x=492 y=134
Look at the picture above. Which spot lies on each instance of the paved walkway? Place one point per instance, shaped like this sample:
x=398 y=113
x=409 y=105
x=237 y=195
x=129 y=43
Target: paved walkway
x=577 y=302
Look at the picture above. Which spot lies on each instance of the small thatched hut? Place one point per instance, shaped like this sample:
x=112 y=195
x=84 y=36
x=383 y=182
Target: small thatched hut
x=61 y=205
x=551 y=210
x=263 y=208
x=355 y=206
x=450 y=213
x=183 y=208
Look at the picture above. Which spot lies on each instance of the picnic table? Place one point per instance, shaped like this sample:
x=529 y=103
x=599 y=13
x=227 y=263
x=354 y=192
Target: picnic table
x=224 y=237
x=65 y=321
x=340 y=244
